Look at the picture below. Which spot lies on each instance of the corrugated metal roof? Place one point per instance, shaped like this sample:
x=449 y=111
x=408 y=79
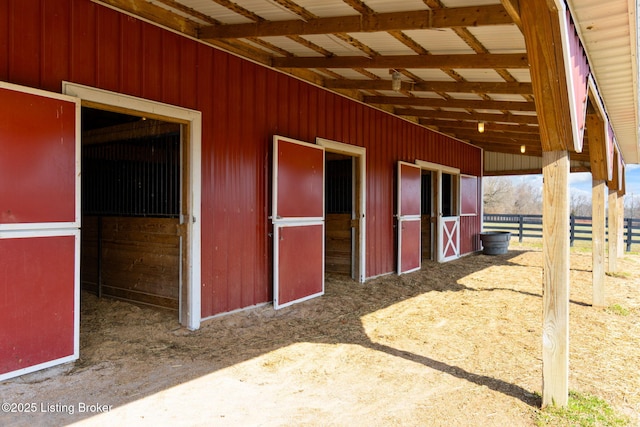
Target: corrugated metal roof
x=611 y=41
x=439 y=42
x=500 y=38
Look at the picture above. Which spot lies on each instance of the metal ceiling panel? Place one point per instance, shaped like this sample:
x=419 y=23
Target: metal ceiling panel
x=385 y=43
x=480 y=75
x=291 y=46
x=212 y=9
x=271 y=11
x=440 y=41
x=326 y=8
x=334 y=45
x=385 y=6
x=500 y=38
x=463 y=3
x=431 y=74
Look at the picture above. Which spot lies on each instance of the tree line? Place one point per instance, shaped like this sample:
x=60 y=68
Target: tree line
x=521 y=196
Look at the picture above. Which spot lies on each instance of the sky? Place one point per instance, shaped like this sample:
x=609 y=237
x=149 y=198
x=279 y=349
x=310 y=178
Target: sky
x=580 y=182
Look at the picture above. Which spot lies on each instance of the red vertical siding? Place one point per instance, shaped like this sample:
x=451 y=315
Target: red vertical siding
x=55 y=23
x=4 y=41
x=130 y=71
x=82 y=61
x=243 y=106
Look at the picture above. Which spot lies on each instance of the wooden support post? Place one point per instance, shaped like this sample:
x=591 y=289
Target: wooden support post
x=597 y=239
x=620 y=225
x=612 y=230
x=598 y=159
x=555 y=246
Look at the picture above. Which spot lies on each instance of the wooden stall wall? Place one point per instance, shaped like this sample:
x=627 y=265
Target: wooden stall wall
x=243 y=106
x=138 y=259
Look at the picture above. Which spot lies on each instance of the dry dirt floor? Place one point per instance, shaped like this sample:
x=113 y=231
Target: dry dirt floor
x=455 y=344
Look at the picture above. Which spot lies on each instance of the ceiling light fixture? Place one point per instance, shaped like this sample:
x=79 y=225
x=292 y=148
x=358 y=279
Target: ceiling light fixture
x=396 y=82
x=523 y=149
x=481 y=127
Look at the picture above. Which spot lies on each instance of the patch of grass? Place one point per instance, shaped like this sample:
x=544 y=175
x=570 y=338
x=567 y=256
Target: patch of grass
x=618 y=274
x=582 y=411
x=618 y=309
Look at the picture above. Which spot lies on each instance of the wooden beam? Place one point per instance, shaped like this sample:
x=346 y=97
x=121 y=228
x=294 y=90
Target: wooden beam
x=434 y=86
x=134 y=130
x=456 y=124
x=451 y=103
x=543 y=38
x=513 y=9
x=598 y=186
x=411 y=20
x=596 y=130
x=532 y=151
x=515 y=138
x=555 y=295
x=488 y=60
x=453 y=115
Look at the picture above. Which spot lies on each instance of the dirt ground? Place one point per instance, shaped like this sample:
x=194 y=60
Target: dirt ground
x=455 y=344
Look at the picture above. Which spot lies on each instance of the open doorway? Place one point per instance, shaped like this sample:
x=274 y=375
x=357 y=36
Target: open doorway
x=345 y=197
x=176 y=162
x=339 y=207
x=429 y=216
x=131 y=206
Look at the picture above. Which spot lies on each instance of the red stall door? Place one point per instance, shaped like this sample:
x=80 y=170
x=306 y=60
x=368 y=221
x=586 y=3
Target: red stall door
x=39 y=229
x=298 y=221
x=409 y=218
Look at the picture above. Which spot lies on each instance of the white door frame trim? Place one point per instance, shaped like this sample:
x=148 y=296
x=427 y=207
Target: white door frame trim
x=194 y=120
x=361 y=154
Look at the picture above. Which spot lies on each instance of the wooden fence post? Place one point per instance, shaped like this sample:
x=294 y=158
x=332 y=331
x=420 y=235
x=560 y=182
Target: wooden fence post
x=572 y=229
x=521 y=228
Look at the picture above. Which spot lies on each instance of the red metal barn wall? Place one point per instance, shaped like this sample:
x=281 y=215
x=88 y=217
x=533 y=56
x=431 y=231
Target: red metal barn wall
x=44 y=42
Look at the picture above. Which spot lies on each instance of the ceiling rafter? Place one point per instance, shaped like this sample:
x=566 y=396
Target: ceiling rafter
x=505 y=60
x=363 y=23
x=485 y=117
x=512 y=128
x=453 y=103
x=433 y=86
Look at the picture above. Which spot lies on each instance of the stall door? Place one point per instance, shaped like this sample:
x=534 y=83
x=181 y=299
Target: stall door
x=39 y=229
x=409 y=219
x=298 y=221
x=449 y=238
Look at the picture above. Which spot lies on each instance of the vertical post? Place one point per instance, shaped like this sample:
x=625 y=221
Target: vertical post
x=555 y=246
x=572 y=231
x=629 y=233
x=521 y=228
x=612 y=230
x=597 y=239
